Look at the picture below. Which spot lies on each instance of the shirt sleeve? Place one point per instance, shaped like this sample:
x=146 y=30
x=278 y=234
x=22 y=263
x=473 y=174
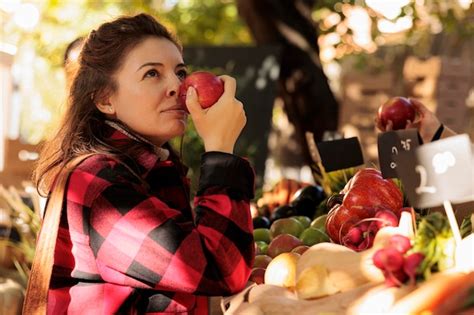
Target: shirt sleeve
x=140 y=241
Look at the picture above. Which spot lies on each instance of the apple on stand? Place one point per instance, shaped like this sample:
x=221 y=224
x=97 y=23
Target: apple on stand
x=209 y=88
x=398 y=110
x=257 y=275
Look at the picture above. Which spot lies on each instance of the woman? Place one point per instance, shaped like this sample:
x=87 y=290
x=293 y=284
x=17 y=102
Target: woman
x=128 y=240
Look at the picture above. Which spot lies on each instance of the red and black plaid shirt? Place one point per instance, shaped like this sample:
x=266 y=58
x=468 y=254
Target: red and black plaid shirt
x=129 y=245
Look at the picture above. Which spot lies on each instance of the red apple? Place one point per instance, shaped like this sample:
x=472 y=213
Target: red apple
x=283 y=243
x=300 y=249
x=209 y=88
x=398 y=110
x=261 y=261
x=257 y=275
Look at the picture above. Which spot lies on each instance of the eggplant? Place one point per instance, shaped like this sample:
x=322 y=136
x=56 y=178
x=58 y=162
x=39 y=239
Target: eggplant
x=313 y=192
x=261 y=222
x=304 y=206
x=281 y=212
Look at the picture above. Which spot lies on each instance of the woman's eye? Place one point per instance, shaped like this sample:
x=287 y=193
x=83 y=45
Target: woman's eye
x=152 y=74
x=182 y=74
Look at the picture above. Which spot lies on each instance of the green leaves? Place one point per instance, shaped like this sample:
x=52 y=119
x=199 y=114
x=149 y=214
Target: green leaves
x=435 y=240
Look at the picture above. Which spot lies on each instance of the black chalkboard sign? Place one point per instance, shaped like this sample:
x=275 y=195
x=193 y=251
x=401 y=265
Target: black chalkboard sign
x=340 y=154
x=390 y=143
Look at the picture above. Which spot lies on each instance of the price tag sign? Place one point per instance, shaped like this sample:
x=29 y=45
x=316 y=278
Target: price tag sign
x=340 y=154
x=389 y=145
x=437 y=172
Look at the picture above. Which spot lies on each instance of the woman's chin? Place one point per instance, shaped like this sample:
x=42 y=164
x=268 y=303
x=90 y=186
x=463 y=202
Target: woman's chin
x=179 y=130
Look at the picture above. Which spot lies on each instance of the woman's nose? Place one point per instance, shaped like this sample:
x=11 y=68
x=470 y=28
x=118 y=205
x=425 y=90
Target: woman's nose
x=174 y=86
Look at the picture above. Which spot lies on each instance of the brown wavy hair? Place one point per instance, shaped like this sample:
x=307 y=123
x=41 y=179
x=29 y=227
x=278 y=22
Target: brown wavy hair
x=81 y=130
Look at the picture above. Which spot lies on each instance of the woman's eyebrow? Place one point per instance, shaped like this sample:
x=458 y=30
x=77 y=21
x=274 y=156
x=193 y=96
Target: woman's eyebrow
x=150 y=64
x=179 y=65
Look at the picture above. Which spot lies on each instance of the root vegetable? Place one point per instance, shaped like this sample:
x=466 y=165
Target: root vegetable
x=327 y=268
x=281 y=271
x=345 y=268
x=378 y=300
x=388 y=259
x=386 y=218
x=411 y=264
x=314 y=274
x=436 y=295
x=401 y=243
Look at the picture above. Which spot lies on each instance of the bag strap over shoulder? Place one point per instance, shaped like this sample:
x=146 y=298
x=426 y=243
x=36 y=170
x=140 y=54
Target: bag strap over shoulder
x=36 y=298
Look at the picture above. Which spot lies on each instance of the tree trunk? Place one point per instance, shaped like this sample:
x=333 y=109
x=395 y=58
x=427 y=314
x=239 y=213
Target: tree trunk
x=308 y=100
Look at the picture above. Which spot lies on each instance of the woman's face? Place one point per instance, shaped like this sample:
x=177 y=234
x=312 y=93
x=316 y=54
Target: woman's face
x=146 y=99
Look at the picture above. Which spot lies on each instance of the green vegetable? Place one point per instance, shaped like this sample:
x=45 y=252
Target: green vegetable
x=338 y=179
x=466 y=226
x=435 y=240
x=398 y=182
x=335 y=181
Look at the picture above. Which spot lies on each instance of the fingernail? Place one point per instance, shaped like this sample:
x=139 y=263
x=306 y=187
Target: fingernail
x=190 y=91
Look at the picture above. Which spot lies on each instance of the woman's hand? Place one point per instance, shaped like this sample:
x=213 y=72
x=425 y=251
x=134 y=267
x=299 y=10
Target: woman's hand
x=425 y=122
x=220 y=125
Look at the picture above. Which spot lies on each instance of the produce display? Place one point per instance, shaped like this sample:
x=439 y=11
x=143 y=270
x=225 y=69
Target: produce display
x=359 y=249
x=367 y=195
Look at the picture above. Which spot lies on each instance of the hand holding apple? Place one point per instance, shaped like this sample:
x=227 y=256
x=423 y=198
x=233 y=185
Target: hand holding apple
x=220 y=125
x=209 y=88
x=425 y=121
x=395 y=114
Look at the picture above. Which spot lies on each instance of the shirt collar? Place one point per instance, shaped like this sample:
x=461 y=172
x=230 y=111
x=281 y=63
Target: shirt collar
x=147 y=158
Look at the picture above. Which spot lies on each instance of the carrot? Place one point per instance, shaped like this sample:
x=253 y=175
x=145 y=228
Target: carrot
x=441 y=294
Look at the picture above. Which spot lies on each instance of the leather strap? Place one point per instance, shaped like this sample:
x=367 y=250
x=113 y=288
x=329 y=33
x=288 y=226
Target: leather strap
x=438 y=133
x=36 y=298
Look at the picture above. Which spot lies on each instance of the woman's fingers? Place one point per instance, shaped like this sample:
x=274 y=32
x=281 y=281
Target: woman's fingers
x=192 y=103
x=230 y=85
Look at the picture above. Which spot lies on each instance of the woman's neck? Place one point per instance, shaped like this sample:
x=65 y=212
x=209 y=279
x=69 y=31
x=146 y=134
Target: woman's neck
x=161 y=152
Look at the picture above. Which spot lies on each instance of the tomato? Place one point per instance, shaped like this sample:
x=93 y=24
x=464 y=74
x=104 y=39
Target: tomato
x=366 y=193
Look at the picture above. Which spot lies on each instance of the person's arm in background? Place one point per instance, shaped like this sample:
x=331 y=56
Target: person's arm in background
x=428 y=125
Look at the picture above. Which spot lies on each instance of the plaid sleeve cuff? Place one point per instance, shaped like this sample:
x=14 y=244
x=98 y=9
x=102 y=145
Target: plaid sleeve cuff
x=219 y=169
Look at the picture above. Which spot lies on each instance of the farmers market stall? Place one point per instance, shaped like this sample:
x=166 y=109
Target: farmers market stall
x=398 y=240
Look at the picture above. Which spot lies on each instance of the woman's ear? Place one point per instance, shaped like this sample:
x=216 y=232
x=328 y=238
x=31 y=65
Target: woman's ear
x=104 y=104
x=105 y=108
